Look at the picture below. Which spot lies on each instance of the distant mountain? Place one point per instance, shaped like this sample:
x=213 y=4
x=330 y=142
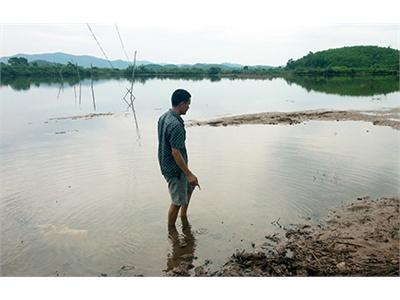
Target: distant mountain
x=205 y=66
x=229 y=66
x=233 y=66
x=224 y=66
x=43 y=63
x=349 y=57
x=81 y=60
x=86 y=60
x=261 y=67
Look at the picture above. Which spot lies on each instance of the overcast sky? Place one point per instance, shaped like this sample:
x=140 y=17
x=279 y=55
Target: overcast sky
x=225 y=33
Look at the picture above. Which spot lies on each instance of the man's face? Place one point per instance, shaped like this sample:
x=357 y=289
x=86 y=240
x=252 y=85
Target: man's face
x=184 y=107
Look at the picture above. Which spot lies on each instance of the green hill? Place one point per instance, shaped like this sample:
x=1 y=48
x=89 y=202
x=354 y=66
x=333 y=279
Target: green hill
x=356 y=58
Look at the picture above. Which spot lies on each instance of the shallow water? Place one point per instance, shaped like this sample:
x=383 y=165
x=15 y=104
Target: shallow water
x=91 y=201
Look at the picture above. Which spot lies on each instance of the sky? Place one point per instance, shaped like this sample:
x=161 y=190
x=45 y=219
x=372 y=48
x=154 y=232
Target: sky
x=251 y=32
x=253 y=44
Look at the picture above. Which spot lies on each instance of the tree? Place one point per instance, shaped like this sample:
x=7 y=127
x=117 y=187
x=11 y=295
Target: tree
x=18 y=61
x=214 y=71
x=71 y=65
x=290 y=63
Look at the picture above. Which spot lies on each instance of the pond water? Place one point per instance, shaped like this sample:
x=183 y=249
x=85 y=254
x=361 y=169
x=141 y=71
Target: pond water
x=86 y=197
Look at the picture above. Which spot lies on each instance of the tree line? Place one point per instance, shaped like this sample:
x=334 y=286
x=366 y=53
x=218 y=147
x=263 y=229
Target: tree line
x=346 y=61
x=19 y=66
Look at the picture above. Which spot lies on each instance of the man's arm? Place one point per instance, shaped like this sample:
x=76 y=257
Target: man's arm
x=182 y=164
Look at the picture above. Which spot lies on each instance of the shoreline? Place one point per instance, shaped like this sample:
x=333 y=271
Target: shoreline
x=390 y=117
x=357 y=239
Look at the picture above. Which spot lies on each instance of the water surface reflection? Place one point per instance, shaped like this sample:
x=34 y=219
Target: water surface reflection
x=183 y=247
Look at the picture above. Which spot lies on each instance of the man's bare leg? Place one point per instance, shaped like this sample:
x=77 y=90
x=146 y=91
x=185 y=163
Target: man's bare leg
x=172 y=214
x=184 y=208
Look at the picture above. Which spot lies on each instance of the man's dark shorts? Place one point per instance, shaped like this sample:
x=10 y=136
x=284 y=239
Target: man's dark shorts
x=179 y=189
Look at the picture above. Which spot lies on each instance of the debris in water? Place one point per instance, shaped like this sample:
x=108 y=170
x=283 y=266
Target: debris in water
x=127 y=268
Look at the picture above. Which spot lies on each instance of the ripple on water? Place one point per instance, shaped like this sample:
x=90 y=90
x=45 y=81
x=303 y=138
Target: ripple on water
x=85 y=211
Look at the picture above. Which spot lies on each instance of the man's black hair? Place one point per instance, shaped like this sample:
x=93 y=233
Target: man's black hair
x=179 y=96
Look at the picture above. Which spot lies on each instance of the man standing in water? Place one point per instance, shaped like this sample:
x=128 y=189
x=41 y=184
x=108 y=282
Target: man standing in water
x=172 y=156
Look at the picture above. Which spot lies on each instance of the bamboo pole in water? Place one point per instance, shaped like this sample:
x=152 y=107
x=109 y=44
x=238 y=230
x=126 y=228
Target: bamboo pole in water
x=61 y=84
x=60 y=72
x=122 y=43
x=91 y=86
x=59 y=91
x=98 y=44
x=124 y=98
x=130 y=91
x=80 y=85
x=75 y=93
x=132 y=97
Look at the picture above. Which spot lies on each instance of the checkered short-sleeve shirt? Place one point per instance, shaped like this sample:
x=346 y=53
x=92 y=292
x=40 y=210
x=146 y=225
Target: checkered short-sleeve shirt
x=171 y=134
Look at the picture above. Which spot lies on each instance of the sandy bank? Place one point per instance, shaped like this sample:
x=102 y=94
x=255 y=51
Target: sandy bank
x=85 y=117
x=359 y=239
x=382 y=118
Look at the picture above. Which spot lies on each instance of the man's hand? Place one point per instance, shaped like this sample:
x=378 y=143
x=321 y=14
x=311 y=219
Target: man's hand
x=193 y=181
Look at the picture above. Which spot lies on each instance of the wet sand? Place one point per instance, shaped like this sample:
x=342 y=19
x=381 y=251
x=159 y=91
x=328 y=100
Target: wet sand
x=358 y=239
x=390 y=117
x=85 y=117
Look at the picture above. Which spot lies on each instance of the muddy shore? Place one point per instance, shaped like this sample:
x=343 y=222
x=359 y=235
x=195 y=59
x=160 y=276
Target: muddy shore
x=84 y=117
x=358 y=239
x=389 y=117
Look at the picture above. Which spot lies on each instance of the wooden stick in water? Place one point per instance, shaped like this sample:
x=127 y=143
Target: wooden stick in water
x=61 y=84
x=133 y=76
x=132 y=98
x=75 y=93
x=80 y=85
x=59 y=91
x=91 y=86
